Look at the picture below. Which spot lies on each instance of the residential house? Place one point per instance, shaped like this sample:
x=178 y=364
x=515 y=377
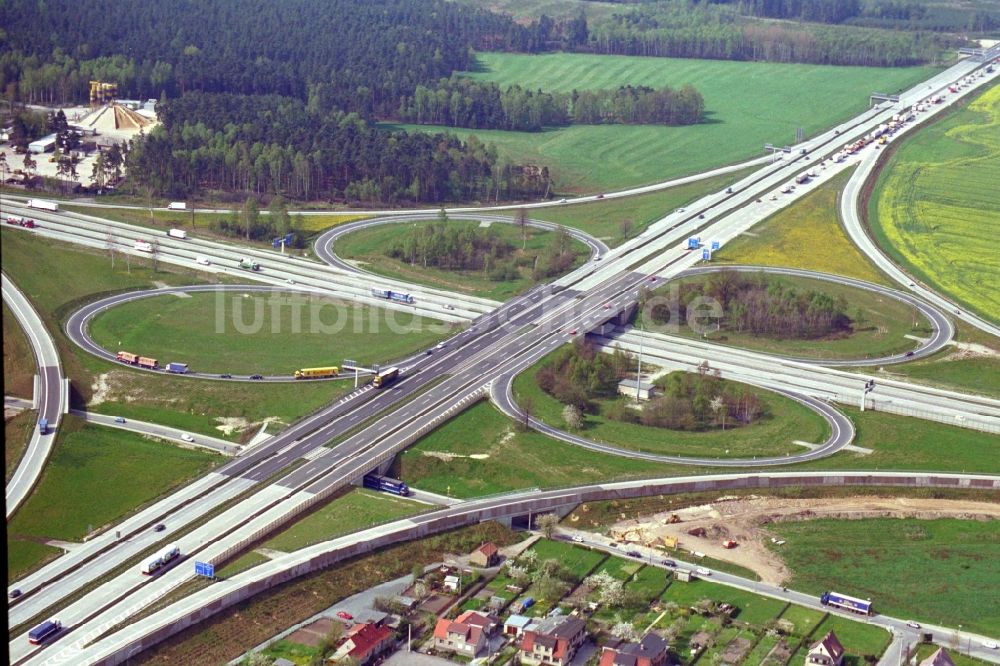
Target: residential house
x=650 y=651
x=487 y=555
x=516 y=624
x=631 y=388
x=826 y=652
x=468 y=634
x=939 y=658
x=364 y=643
x=554 y=641
x=452 y=583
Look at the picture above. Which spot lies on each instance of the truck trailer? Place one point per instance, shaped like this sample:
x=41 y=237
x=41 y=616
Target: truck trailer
x=44 y=631
x=42 y=204
x=178 y=233
x=249 y=265
x=150 y=363
x=848 y=603
x=177 y=205
x=177 y=368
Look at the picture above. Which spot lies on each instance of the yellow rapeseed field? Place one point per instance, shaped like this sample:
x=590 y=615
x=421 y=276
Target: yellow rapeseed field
x=936 y=209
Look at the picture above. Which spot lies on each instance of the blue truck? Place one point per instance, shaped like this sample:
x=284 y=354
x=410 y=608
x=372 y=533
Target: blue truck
x=848 y=603
x=44 y=631
x=43 y=426
x=386 y=484
x=177 y=368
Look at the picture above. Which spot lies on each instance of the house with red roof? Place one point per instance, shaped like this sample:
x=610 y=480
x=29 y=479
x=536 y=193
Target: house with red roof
x=826 y=652
x=553 y=641
x=650 y=651
x=487 y=555
x=364 y=643
x=468 y=634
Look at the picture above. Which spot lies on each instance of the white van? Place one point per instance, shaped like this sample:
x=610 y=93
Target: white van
x=204 y=261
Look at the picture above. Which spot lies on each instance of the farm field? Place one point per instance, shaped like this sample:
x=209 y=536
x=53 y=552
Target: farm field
x=935 y=207
x=76 y=494
x=357 y=509
x=59 y=277
x=507 y=459
x=368 y=246
x=788 y=238
x=249 y=333
x=888 y=560
x=884 y=322
x=604 y=219
x=747 y=105
x=772 y=435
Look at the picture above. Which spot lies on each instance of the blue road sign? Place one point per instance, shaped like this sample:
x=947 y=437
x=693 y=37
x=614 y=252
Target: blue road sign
x=206 y=569
x=289 y=237
x=706 y=254
x=276 y=243
x=715 y=245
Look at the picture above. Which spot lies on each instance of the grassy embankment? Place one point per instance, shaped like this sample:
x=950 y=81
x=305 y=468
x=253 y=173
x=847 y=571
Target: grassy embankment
x=747 y=105
x=785 y=422
x=936 y=209
x=59 y=278
x=788 y=238
x=603 y=219
x=246 y=333
x=90 y=481
x=508 y=459
x=932 y=570
x=368 y=246
x=880 y=331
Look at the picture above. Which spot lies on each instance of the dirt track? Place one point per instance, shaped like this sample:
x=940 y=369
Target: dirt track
x=745 y=519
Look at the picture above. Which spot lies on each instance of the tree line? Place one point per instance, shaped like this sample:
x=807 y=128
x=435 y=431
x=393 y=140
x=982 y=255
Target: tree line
x=467 y=248
x=463 y=102
x=262 y=144
x=763 y=306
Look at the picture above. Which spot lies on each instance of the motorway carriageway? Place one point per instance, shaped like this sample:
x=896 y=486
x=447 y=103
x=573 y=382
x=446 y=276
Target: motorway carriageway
x=52 y=399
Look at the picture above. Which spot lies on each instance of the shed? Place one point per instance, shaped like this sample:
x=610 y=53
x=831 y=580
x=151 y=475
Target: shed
x=44 y=145
x=628 y=387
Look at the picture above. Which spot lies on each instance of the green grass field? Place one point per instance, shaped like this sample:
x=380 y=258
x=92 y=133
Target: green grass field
x=788 y=238
x=507 y=459
x=977 y=374
x=930 y=570
x=271 y=334
x=603 y=219
x=59 y=278
x=367 y=246
x=90 y=481
x=358 y=509
x=578 y=561
x=18 y=358
x=772 y=435
x=17 y=431
x=935 y=211
x=747 y=105
x=804 y=620
x=885 y=321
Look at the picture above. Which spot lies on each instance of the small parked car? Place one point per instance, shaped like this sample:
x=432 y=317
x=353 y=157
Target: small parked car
x=187 y=438
x=913 y=625
x=990 y=645
x=669 y=563
x=634 y=553
x=702 y=571
x=577 y=538
x=119 y=419
x=344 y=615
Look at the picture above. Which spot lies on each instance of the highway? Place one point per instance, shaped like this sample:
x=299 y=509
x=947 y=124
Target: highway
x=499 y=344
x=52 y=398
x=225 y=593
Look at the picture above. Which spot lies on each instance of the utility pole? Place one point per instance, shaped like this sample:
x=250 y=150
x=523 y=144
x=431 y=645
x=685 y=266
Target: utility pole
x=638 y=371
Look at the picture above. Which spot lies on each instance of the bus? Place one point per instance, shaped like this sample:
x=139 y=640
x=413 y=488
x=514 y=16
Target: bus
x=385 y=377
x=161 y=559
x=44 y=631
x=150 y=363
x=845 y=602
x=127 y=357
x=143 y=246
x=317 y=373
x=386 y=484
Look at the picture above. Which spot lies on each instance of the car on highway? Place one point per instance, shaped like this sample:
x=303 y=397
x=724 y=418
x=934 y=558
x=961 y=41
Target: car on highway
x=669 y=563
x=679 y=210
x=634 y=553
x=577 y=538
x=573 y=332
x=187 y=438
x=991 y=645
x=912 y=625
x=600 y=196
x=290 y=281
x=701 y=216
x=159 y=527
x=607 y=306
x=909 y=353
x=729 y=190
x=119 y=419
x=562 y=201
x=344 y=615
x=449 y=306
x=702 y=571
x=225 y=376
x=439 y=345
x=256 y=376
x=15 y=593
